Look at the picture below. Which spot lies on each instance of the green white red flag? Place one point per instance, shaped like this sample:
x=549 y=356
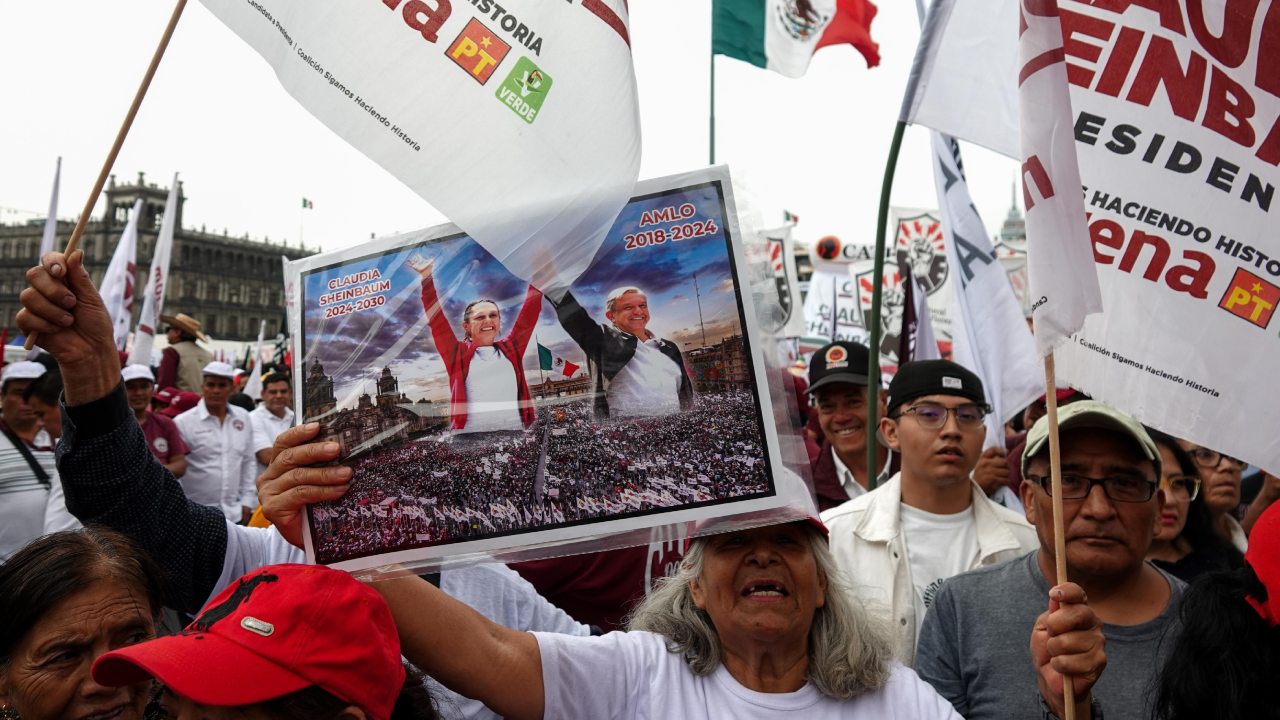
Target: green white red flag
x=782 y=35
x=552 y=363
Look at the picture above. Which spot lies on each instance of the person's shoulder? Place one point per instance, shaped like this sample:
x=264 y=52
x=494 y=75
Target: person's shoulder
x=989 y=579
x=849 y=511
x=906 y=694
x=161 y=421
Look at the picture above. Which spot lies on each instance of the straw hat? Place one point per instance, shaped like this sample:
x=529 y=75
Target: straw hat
x=186 y=323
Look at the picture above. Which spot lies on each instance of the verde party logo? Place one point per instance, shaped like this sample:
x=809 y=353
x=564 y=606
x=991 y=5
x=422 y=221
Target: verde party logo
x=525 y=89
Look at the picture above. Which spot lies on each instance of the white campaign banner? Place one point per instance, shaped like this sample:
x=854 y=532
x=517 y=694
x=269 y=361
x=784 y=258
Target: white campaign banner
x=157 y=281
x=1060 y=271
x=117 y=281
x=1177 y=125
x=1175 y=110
x=782 y=315
x=519 y=121
x=988 y=332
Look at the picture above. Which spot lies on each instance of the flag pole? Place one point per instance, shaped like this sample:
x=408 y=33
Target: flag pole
x=74 y=241
x=711 y=129
x=1055 y=480
x=873 y=366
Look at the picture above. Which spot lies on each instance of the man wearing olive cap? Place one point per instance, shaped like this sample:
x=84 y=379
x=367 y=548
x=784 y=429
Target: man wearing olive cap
x=929 y=521
x=973 y=647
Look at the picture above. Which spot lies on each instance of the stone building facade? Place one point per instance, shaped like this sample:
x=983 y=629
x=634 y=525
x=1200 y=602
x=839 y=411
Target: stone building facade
x=227 y=283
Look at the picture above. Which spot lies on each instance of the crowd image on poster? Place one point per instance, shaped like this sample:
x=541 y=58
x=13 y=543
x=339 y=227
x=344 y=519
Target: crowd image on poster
x=480 y=414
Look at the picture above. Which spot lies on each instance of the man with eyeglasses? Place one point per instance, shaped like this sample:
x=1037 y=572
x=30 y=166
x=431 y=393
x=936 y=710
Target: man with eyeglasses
x=1220 y=478
x=974 y=648
x=930 y=521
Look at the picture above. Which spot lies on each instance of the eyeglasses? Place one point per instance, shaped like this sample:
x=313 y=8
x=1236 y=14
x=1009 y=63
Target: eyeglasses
x=1121 y=488
x=932 y=416
x=1184 y=486
x=1209 y=459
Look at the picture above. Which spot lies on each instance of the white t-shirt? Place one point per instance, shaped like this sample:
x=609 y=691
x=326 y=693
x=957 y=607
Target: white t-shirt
x=649 y=384
x=631 y=675
x=938 y=547
x=28 y=507
x=266 y=427
x=493 y=400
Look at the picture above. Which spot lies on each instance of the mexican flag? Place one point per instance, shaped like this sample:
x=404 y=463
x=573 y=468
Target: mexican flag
x=553 y=363
x=781 y=35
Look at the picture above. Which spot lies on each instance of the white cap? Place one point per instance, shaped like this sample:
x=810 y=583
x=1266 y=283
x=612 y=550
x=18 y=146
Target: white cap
x=137 y=372
x=25 y=370
x=220 y=369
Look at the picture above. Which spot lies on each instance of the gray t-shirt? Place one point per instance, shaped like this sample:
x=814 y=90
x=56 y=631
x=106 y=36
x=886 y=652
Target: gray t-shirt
x=974 y=646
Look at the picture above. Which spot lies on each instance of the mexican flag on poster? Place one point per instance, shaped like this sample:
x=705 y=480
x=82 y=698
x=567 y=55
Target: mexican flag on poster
x=781 y=35
x=552 y=363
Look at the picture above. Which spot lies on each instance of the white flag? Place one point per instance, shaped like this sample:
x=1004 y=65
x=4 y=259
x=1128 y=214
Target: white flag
x=117 y=282
x=253 y=388
x=51 y=220
x=157 y=281
x=989 y=334
x=925 y=344
x=1063 y=278
x=519 y=121
x=964 y=81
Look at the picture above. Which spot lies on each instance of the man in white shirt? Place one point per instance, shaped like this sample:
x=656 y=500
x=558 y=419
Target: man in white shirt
x=272 y=416
x=221 y=468
x=930 y=521
x=636 y=373
x=838 y=386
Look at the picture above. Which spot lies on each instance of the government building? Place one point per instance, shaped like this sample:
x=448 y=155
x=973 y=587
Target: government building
x=227 y=283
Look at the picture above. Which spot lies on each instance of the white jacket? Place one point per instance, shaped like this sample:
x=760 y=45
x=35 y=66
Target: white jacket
x=869 y=547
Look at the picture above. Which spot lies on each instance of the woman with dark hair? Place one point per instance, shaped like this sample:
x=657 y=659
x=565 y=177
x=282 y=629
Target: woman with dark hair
x=1186 y=544
x=65 y=599
x=283 y=642
x=1226 y=661
x=487 y=386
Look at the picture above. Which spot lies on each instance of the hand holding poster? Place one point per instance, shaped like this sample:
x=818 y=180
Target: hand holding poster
x=516 y=120
x=435 y=370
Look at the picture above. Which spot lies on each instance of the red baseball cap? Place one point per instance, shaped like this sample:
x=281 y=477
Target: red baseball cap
x=1263 y=557
x=167 y=395
x=180 y=403
x=273 y=632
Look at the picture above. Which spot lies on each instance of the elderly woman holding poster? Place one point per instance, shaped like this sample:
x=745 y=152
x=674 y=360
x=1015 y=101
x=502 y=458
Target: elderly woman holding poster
x=756 y=624
x=487 y=386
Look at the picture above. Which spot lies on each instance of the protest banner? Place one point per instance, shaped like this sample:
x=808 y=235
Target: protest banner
x=519 y=121
x=782 y=313
x=117 y=280
x=157 y=282
x=1175 y=111
x=423 y=357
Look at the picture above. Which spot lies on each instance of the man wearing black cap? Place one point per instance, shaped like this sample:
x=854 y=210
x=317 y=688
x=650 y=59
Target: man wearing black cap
x=838 y=386
x=929 y=521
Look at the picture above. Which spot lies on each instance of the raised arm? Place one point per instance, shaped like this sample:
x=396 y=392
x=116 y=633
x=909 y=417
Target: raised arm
x=108 y=473
x=581 y=327
x=527 y=320
x=441 y=332
x=465 y=651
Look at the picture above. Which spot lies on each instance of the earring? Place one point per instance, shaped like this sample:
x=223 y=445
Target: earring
x=8 y=713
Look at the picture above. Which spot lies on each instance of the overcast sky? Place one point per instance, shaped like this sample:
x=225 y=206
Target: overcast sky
x=248 y=153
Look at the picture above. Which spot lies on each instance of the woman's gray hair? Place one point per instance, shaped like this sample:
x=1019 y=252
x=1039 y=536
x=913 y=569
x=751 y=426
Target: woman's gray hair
x=849 y=649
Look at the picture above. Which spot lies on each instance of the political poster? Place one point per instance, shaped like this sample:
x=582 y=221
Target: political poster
x=479 y=415
x=1175 y=111
x=501 y=115
x=1177 y=126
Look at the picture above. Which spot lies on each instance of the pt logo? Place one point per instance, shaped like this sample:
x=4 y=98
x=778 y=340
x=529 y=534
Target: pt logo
x=892 y=308
x=478 y=51
x=920 y=247
x=1251 y=298
x=525 y=89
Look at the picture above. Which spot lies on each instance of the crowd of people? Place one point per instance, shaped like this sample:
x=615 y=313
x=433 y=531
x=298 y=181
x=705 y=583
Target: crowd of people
x=920 y=592
x=569 y=466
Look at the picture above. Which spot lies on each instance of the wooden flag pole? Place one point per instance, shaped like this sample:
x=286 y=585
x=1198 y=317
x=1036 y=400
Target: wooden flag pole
x=1055 y=480
x=74 y=241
